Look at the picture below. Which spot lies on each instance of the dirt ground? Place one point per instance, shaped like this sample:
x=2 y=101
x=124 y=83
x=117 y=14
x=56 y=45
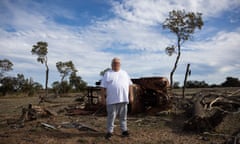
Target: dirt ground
x=144 y=129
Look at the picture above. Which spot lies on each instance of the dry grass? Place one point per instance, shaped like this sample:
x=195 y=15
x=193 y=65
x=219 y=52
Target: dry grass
x=144 y=129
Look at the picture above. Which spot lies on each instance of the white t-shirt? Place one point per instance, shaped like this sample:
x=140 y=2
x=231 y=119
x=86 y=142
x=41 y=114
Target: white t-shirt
x=117 y=85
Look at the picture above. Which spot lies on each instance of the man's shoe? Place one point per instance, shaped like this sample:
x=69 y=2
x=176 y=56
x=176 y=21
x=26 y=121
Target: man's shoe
x=108 y=135
x=125 y=134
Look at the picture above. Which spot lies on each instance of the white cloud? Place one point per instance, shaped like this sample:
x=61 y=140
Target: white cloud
x=220 y=54
x=152 y=12
x=220 y=49
x=91 y=48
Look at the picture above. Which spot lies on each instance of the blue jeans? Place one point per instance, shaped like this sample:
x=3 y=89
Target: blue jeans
x=112 y=111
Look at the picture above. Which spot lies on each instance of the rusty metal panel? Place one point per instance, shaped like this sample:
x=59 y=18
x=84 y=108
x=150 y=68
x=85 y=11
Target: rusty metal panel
x=153 y=83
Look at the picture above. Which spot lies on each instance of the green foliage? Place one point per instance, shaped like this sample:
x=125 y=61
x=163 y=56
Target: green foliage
x=183 y=24
x=29 y=86
x=65 y=87
x=170 y=50
x=5 y=66
x=231 y=82
x=65 y=68
x=56 y=86
x=77 y=83
x=19 y=84
x=196 y=84
x=8 y=84
x=176 y=85
x=61 y=88
x=41 y=50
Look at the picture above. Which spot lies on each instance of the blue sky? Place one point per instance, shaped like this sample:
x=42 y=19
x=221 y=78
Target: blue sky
x=92 y=32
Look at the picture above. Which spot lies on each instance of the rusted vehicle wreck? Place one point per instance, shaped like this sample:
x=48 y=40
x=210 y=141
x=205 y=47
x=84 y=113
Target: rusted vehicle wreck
x=147 y=92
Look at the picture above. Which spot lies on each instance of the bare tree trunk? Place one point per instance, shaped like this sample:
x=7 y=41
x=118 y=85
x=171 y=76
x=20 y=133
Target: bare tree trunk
x=46 y=82
x=176 y=63
x=185 y=80
x=61 y=85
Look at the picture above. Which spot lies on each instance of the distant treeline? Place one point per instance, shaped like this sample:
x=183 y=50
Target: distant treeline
x=20 y=84
x=229 y=82
x=70 y=81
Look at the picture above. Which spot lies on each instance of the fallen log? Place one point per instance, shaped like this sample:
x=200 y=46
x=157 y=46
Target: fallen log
x=50 y=112
x=235 y=92
x=203 y=119
x=79 y=126
x=29 y=114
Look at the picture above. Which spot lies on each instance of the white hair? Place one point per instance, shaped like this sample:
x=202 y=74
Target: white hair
x=116 y=59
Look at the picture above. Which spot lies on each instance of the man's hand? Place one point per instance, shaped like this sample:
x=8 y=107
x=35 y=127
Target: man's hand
x=131 y=94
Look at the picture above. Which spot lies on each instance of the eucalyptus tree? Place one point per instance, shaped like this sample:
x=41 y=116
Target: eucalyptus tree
x=65 y=69
x=5 y=66
x=76 y=82
x=183 y=25
x=41 y=50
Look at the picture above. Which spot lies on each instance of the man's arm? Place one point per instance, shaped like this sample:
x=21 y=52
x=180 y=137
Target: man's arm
x=131 y=96
x=103 y=96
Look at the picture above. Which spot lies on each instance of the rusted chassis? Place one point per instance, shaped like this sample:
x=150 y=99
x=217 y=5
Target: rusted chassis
x=149 y=92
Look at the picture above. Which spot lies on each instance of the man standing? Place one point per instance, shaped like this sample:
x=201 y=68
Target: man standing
x=116 y=83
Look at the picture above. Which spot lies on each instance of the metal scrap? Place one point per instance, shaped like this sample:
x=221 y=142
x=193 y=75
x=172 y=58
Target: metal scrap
x=48 y=126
